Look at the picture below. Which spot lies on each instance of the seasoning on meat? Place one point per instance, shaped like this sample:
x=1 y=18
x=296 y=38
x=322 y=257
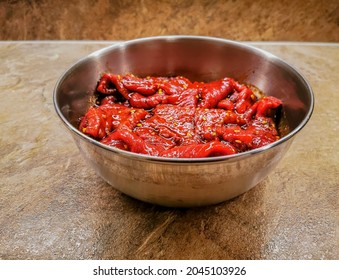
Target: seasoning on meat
x=174 y=117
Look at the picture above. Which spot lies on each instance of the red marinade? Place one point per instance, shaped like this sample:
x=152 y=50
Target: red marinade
x=176 y=118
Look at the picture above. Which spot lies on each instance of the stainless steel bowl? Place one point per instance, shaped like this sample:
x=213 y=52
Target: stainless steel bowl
x=183 y=182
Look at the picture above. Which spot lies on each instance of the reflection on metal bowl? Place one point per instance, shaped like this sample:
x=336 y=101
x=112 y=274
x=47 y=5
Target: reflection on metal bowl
x=184 y=182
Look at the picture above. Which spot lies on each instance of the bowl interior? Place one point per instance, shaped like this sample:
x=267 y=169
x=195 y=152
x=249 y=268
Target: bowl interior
x=198 y=58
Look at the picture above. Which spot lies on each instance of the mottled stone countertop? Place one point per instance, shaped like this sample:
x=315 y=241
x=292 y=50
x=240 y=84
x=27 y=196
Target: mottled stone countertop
x=53 y=206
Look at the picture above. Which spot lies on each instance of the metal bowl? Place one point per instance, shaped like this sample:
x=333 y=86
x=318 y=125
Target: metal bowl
x=183 y=182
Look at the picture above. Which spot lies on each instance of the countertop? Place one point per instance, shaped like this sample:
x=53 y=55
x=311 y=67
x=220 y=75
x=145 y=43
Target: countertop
x=53 y=206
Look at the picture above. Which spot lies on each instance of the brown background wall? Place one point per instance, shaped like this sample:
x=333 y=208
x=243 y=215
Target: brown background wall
x=276 y=20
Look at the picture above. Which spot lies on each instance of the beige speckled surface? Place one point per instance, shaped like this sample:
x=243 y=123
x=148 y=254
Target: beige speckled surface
x=52 y=206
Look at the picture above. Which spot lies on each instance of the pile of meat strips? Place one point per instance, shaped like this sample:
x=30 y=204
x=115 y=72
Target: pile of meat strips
x=174 y=117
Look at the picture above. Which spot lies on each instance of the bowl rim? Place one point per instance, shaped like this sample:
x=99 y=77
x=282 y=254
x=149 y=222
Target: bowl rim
x=132 y=155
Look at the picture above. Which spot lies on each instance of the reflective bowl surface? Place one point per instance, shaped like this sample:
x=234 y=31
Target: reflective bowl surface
x=183 y=182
